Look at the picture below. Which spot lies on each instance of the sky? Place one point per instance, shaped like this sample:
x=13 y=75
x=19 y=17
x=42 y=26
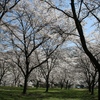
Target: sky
x=89 y=21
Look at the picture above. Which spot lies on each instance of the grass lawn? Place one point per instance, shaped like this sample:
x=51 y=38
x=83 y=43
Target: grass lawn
x=12 y=93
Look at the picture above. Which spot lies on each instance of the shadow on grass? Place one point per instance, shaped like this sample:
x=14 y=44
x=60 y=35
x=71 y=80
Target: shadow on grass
x=62 y=95
x=71 y=94
x=53 y=94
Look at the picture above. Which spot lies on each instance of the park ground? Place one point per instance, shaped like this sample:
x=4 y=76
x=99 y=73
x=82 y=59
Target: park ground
x=12 y=93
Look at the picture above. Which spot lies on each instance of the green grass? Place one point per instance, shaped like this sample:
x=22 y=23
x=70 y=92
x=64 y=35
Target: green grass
x=13 y=93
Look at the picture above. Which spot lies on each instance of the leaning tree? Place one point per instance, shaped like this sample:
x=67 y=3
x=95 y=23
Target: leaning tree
x=80 y=11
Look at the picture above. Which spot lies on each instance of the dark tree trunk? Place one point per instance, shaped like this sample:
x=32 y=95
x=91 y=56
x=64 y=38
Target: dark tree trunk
x=93 y=85
x=67 y=85
x=37 y=84
x=61 y=85
x=25 y=85
x=47 y=83
x=89 y=87
x=92 y=90
x=0 y=81
x=99 y=86
x=1 y=78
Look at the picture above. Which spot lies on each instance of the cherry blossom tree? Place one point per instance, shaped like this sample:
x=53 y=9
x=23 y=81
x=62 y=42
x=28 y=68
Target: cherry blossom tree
x=6 y=6
x=79 y=12
x=4 y=67
x=28 y=31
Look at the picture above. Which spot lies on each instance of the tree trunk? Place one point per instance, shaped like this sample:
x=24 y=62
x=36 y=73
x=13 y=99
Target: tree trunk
x=92 y=87
x=0 y=81
x=61 y=85
x=47 y=84
x=67 y=84
x=99 y=86
x=37 y=84
x=92 y=90
x=25 y=85
x=1 y=78
x=89 y=87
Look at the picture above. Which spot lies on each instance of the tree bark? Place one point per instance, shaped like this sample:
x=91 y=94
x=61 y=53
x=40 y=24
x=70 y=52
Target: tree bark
x=67 y=85
x=92 y=90
x=61 y=84
x=37 y=84
x=93 y=60
x=92 y=86
x=99 y=86
x=25 y=85
x=0 y=81
x=47 y=83
x=89 y=88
